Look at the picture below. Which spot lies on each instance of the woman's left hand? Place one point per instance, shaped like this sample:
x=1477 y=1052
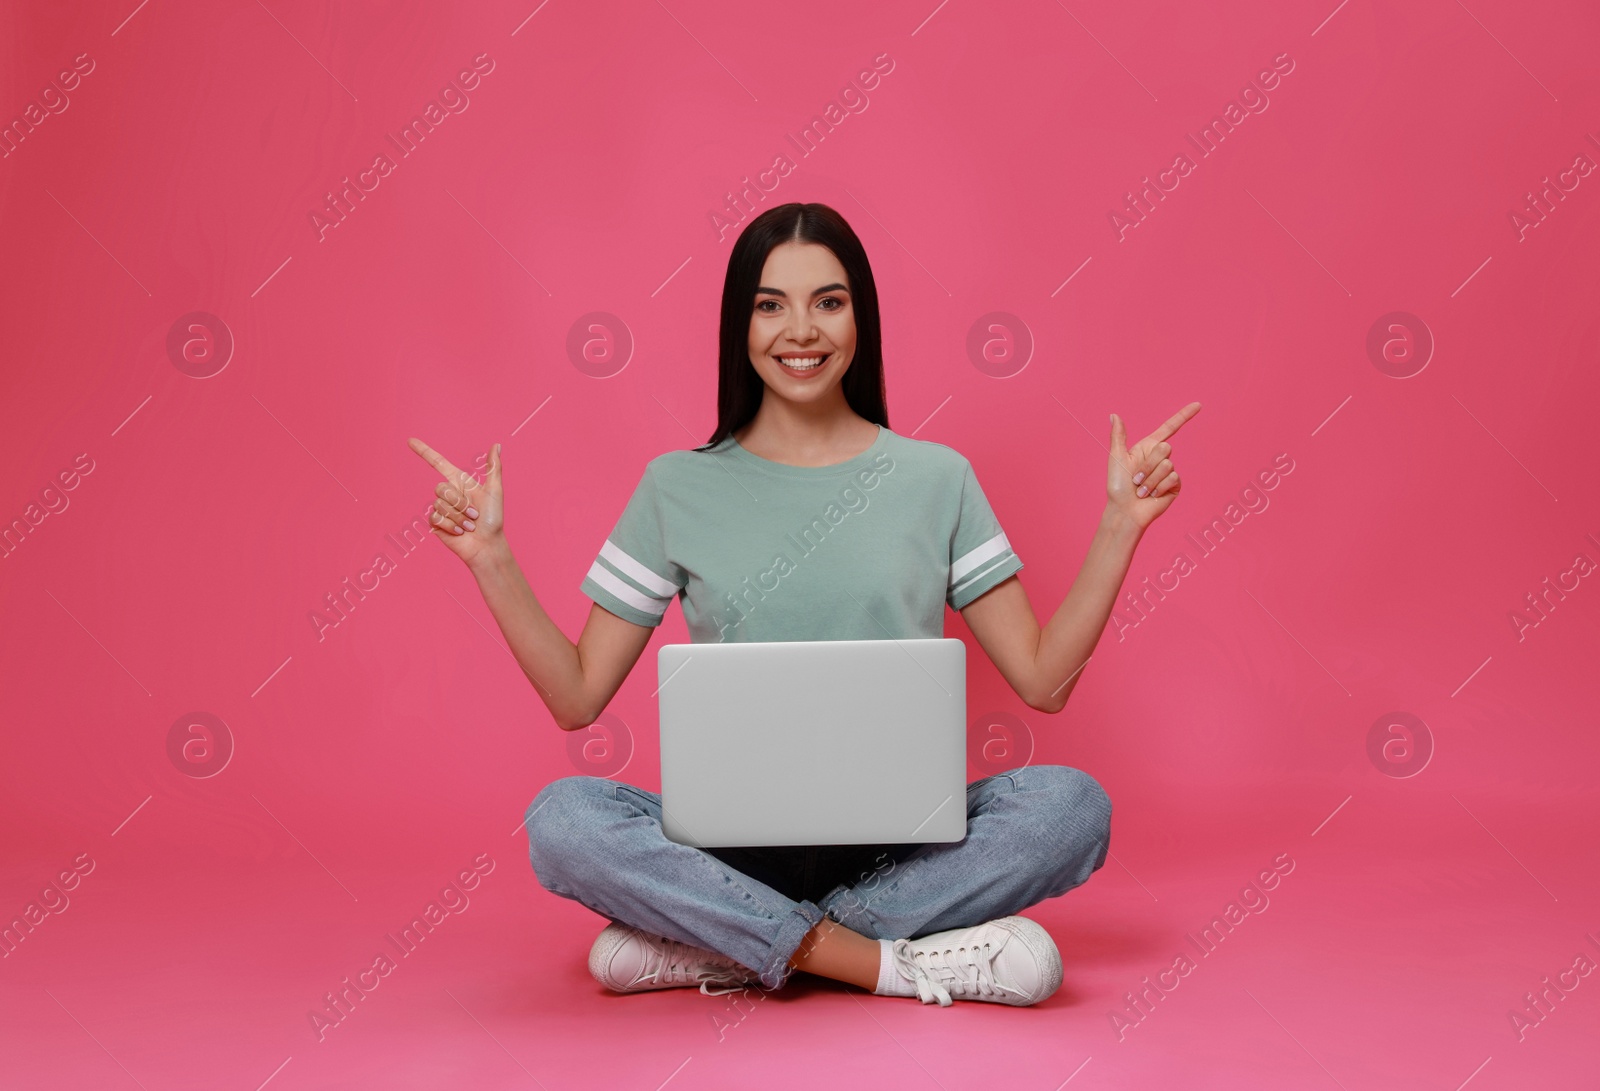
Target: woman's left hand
x=1140 y=480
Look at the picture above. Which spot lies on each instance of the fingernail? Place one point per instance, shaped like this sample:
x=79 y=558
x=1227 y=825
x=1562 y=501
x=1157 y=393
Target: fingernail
x=1143 y=490
x=468 y=524
x=1138 y=477
x=472 y=513
x=455 y=530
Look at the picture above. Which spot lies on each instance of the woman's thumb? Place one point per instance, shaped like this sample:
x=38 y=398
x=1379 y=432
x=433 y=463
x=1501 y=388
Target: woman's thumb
x=1119 y=438
x=494 y=464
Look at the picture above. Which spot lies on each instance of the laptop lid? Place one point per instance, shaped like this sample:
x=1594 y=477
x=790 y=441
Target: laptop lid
x=829 y=742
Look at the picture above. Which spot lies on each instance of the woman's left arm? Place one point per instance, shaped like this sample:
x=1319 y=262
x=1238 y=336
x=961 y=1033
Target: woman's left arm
x=1043 y=665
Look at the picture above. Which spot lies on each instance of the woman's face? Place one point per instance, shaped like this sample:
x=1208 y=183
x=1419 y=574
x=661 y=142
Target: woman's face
x=802 y=314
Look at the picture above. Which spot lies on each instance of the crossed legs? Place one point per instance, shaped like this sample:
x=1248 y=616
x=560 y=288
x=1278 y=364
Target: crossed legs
x=1032 y=833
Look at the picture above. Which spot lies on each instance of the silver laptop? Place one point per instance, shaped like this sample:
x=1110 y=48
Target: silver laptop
x=826 y=742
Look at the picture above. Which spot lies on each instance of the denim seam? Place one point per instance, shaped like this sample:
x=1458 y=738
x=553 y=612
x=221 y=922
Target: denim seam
x=731 y=877
x=857 y=912
x=777 y=970
x=728 y=874
x=860 y=905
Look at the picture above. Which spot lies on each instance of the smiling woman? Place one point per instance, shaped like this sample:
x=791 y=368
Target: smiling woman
x=801 y=421
x=800 y=320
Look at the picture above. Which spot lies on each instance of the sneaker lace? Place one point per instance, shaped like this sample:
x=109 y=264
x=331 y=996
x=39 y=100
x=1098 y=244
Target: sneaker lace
x=671 y=962
x=939 y=971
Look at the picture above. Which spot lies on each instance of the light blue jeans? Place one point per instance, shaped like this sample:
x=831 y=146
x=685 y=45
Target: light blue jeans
x=1032 y=833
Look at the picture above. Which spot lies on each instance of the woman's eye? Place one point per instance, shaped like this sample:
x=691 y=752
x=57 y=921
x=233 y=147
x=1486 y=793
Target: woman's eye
x=838 y=304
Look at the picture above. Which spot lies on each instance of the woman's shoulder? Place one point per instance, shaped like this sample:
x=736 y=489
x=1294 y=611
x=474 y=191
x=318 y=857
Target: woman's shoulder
x=686 y=468
x=687 y=458
x=927 y=452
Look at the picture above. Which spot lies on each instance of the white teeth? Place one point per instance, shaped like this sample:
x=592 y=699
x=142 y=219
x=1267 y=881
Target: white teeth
x=807 y=366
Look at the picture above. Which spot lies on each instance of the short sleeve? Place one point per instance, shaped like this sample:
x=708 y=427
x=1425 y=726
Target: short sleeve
x=980 y=556
x=632 y=577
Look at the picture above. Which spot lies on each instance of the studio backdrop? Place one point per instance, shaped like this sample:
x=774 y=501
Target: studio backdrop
x=251 y=248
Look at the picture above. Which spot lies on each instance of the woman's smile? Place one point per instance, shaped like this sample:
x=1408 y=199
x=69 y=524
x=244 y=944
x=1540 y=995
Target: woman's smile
x=803 y=365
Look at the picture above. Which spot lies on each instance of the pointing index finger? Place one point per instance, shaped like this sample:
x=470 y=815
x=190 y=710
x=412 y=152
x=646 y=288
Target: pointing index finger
x=1175 y=422
x=435 y=459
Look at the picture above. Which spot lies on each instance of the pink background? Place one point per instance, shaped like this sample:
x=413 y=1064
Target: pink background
x=1229 y=726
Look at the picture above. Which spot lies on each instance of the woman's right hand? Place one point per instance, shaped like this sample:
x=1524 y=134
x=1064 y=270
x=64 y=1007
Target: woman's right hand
x=468 y=517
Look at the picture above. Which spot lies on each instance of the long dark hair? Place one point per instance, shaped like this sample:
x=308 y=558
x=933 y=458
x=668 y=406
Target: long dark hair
x=739 y=386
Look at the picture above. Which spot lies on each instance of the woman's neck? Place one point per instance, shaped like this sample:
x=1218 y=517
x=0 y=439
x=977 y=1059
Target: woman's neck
x=783 y=432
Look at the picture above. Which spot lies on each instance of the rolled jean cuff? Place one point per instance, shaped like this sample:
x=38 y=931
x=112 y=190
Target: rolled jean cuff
x=805 y=917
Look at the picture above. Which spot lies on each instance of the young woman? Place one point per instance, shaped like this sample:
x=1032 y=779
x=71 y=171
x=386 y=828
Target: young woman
x=805 y=518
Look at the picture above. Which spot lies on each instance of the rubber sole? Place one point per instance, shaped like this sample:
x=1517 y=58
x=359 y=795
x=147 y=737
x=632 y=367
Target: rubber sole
x=1032 y=935
x=606 y=946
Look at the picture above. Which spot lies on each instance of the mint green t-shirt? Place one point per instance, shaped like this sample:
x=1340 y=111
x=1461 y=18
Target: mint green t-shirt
x=871 y=548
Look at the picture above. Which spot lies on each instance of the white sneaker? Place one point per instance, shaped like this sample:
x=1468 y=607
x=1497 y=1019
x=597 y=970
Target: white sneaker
x=627 y=960
x=1010 y=960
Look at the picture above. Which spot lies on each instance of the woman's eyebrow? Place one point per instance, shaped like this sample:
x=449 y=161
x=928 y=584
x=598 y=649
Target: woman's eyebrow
x=817 y=292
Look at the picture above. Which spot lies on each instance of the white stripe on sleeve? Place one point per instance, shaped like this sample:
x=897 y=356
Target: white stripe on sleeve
x=972 y=559
x=638 y=572
x=983 y=574
x=648 y=604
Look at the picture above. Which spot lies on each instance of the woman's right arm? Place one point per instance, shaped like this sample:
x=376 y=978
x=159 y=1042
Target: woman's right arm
x=575 y=681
